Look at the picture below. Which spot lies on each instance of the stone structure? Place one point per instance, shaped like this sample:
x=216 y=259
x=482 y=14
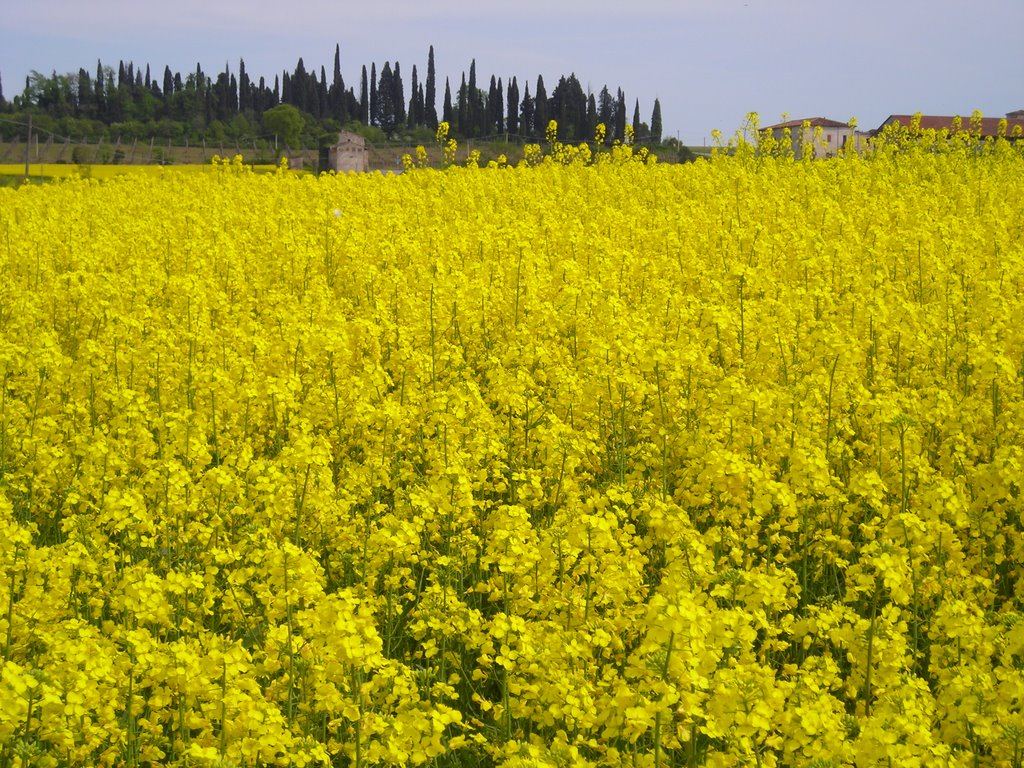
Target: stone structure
x=349 y=154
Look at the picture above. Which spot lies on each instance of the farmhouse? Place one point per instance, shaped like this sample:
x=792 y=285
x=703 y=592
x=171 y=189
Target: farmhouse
x=989 y=127
x=827 y=136
x=349 y=154
x=824 y=136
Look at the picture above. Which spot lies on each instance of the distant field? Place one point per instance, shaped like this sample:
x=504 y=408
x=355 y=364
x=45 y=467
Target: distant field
x=131 y=153
x=387 y=157
x=100 y=171
x=112 y=153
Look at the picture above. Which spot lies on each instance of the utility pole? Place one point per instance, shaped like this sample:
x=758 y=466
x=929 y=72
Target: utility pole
x=28 y=146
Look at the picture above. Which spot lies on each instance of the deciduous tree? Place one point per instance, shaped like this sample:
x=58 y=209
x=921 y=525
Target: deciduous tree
x=286 y=122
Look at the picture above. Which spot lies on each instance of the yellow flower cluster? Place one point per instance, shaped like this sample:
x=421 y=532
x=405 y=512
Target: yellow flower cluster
x=585 y=463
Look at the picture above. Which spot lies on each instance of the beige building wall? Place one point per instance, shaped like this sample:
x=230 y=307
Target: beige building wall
x=828 y=143
x=349 y=154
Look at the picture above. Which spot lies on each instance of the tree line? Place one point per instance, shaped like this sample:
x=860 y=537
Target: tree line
x=306 y=105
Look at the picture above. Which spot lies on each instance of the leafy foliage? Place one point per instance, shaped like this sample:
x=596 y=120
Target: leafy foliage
x=225 y=106
x=285 y=121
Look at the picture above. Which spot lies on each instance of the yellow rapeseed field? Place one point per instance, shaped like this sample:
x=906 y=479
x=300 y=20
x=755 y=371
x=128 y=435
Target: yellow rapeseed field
x=586 y=462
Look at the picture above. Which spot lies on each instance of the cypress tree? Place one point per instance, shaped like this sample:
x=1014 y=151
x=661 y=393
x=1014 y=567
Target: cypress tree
x=336 y=92
x=606 y=113
x=3 y=101
x=337 y=82
x=463 y=118
x=244 y=87
x=558 y=109
x=311 y=95
x=491 y=117
x=499 y=108
x=321 y=94
x=540 y=108
x=351 y=102
x=397 y=95
x=636 y=119
x=118 y=99
x=512 y=107
x=568 y=105
x=373 y=93
x=364 y=100
x=421 y=110
x=300 y=88
x=620 y=116
x=446 y=110
x=222 y=98
x=86 y=102
x=414 y=117
x=430 y=98
x=100 y=90
x=168 y=83
x=473 y=117
x=656 y=123
x=526 y=113
x=385 y=103
x=342 y=109
x=260 y=98
x=209 y=102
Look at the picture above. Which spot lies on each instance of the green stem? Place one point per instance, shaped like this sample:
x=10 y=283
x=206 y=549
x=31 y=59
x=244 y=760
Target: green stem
x=871 y=648
x=300 y=504
x=828 y=426
x=657 y=715
x=10 y=605
x=742 y=324
x=519 y=270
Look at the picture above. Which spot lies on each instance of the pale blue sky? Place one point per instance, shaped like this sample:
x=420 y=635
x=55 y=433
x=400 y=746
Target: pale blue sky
x=710 y=62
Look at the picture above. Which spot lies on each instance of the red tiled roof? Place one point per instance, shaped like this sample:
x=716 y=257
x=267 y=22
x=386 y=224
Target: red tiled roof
x=824 y=122
x=989 y=125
